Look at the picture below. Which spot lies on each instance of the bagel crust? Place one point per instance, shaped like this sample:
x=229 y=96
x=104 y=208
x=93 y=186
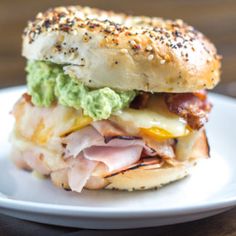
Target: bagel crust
x=147 y=179
x=105 y=49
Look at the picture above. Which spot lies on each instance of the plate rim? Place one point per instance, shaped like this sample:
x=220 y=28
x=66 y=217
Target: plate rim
x=69 y=210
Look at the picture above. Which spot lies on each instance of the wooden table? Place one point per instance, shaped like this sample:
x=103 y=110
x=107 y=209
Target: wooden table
x=220 y=225
x=217 y=19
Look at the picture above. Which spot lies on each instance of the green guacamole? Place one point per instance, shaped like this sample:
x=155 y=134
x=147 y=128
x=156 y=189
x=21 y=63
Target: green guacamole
x=47 y=84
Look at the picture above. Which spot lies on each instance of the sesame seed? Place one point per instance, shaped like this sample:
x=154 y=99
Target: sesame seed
x=179 y=21
x=40 y=15
x=132 y=42
x=124 y=50
x=150 y=57
x=149 y=48
x=176 y=35
x=85 y=38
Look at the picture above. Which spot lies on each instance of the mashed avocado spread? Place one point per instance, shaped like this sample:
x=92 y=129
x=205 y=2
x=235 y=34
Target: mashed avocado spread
x=47 y=83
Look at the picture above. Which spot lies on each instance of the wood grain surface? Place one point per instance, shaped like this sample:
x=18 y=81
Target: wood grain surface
x=217 y=19
x=219 y=225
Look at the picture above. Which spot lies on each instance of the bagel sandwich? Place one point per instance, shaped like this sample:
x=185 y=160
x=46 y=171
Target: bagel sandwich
x=113 y=101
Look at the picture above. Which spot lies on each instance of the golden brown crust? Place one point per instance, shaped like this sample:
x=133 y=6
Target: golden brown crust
x=123 y=52
x=149 y=179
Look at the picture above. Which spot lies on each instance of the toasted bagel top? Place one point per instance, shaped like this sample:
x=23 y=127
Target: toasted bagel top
x=102 y=48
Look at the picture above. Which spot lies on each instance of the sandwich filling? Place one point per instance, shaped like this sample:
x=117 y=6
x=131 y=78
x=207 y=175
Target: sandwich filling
x=81 y=136
x=48 y=83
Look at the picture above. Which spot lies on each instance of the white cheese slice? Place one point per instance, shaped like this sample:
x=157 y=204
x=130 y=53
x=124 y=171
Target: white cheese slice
x=155 y=114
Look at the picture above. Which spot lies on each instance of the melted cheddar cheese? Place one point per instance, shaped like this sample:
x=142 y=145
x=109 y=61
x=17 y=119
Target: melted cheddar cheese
x=38 y=125
x=155 y=120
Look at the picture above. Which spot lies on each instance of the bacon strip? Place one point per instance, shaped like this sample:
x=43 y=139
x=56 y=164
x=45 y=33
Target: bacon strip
x=28 y=98
x=193 y=107
x=140 y=100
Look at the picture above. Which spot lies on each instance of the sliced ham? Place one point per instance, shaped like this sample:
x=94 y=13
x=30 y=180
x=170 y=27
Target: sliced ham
x=89 y=156
x=107 y=128
x=88 y=148
x=117 y=142
x=152 y=163
x=79 y=173
x=84 y=138
x=36 y=161
x=145 y=163
x=88 y=137
x=163 y=149
x=114 y=158
x=95 y=182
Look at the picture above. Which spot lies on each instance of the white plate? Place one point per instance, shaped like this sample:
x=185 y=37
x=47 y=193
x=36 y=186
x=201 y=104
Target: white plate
x=209 y=191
